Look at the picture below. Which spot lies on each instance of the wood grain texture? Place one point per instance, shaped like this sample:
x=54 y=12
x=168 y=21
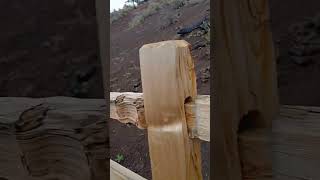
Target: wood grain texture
x=198 y=117
x=244 y=78
x=168 y=79
x=296 y=142
x=53 y=138
x=118 y=172
x=295 y=145
x=128 y=107
x=255 y=149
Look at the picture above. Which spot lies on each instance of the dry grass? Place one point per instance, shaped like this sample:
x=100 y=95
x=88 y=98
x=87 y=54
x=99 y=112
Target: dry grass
x=115 y=15
x=152 y=8
x=207 y=37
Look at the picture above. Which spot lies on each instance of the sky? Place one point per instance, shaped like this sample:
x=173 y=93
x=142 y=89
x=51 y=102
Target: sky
x=116 y=4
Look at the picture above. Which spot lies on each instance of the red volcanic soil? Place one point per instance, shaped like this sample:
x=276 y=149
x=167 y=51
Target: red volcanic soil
x=49 y=48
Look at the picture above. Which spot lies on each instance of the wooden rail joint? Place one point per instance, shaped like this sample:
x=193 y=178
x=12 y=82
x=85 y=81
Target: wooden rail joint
x=128 y=107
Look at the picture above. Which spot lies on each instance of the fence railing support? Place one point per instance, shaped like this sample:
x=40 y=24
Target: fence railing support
x=168 y=81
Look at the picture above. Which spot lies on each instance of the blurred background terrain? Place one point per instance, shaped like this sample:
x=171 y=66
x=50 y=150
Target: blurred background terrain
x=49 y=48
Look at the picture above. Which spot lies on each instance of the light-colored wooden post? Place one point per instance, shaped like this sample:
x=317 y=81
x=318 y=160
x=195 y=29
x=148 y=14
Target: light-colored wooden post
x=244 y=85
x=168 y=80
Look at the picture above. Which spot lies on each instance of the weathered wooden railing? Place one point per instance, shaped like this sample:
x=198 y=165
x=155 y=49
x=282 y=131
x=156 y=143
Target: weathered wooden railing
x=250 y=137
x=53 y=138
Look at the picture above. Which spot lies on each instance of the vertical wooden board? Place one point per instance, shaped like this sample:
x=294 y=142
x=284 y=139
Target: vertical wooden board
x=260 y=58
x=262 y=85
x=226 y=115
x=255 y=151
x=103 y=37
x=244 y=79
x=168 y=79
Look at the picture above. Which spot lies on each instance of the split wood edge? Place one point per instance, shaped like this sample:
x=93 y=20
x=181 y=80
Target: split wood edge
x=127 y=107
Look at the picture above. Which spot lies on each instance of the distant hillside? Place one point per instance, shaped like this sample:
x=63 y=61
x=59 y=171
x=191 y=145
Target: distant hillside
x=152 y=21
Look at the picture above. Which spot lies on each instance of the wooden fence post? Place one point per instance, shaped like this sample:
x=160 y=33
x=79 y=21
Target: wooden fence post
x=245 y=86
x=168 y=80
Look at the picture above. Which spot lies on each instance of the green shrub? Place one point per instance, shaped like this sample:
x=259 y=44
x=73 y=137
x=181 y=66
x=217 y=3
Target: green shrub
x=119 y=158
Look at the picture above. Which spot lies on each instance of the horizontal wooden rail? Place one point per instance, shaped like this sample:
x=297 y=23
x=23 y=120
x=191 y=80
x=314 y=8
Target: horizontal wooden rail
x=127 y=107
x=118 y=172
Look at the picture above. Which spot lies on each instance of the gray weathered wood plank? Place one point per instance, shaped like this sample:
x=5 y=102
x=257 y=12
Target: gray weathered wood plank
x=53 y=138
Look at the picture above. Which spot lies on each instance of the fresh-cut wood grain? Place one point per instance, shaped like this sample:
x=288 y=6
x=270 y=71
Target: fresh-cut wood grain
x=168 y=80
